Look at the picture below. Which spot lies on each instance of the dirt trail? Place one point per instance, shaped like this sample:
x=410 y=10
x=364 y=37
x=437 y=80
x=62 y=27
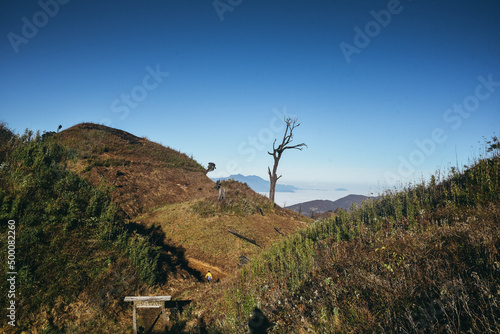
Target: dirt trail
x=204 y=267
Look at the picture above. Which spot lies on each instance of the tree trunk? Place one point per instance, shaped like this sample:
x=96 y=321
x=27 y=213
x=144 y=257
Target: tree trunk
x=291 y=124
x=273 y=178
x=272 y=189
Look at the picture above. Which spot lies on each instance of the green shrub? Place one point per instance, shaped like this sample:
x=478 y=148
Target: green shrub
x=422 y=259
x=66 y=230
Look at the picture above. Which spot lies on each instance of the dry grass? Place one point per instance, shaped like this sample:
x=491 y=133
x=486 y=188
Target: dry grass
x=200 y=226
x=144 y=174
x=424 y=260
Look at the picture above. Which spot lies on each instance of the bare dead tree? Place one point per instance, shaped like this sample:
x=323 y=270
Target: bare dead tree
x=291 y=124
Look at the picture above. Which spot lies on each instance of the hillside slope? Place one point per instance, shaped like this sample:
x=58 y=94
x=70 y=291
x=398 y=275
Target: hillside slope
x=144 y=174
x=101 y=214
x=202 y=226
x=74 y=257
x=162 y=188
x=421 y=260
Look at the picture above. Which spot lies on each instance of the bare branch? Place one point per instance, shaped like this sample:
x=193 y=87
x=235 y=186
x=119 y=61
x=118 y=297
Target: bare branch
x=298 y=147
x=291 y=124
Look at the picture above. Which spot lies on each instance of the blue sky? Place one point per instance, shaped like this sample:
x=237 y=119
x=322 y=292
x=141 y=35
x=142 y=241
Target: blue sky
x=386 y=91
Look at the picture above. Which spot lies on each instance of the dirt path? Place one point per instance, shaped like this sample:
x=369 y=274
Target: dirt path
x=204 y=267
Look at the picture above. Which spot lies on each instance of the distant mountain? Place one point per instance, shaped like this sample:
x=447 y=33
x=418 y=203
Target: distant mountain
x=257 y=183
x=320 y=206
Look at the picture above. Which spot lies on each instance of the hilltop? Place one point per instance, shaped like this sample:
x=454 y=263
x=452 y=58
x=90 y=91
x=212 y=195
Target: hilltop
x=103 y=214
x=159 y=187
x=75 y=256
x=144 y=174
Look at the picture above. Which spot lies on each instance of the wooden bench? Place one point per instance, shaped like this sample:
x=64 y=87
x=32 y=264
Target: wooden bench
x=148 y=302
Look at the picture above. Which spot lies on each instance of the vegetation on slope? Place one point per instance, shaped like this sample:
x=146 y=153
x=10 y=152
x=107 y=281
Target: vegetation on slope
x=78 y=254
x=201 y=227
x=92 y=141
x=75 y=258
x=169 y=192
x=143 y=174
x=421 y=260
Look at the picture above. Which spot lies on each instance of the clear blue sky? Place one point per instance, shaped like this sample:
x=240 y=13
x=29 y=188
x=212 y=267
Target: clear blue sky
x=368 y=80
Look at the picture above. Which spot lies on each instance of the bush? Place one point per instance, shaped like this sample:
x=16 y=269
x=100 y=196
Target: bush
x=421 y=260
x=67 y=232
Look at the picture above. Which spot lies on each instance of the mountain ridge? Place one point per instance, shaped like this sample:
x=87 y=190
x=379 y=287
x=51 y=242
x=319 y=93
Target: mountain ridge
x=148 y=215
x=145 y=174
x=320 y=206
x=166 y=190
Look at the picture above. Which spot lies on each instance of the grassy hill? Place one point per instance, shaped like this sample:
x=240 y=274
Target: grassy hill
x=75 y=257
x=101 y=214
x=421 y=260
x=202 y=227
x=163 y=189
x=144 y=174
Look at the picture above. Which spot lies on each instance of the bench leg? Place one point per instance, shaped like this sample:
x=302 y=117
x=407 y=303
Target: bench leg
x=134 y=318
x=164 y=316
